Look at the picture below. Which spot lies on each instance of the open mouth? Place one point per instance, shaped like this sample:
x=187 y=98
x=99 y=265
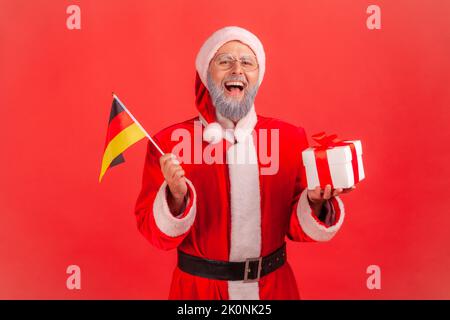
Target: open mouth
x=235 y=87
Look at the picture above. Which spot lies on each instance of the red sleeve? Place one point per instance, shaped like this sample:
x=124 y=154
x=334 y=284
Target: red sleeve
x=304 y=224
x=154 y=219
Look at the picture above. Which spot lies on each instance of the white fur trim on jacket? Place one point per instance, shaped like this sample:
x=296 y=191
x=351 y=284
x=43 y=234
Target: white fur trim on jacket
x=166 y=222
x=214 y=132
x=238 y=290
x=245 y=197
x=222 y=36
x=311 y=226
x=245 y=206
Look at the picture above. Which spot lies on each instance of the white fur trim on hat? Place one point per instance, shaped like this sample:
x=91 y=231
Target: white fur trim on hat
x=222 y=36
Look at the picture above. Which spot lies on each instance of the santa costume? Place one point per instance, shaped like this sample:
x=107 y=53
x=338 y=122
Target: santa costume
x=231 y=235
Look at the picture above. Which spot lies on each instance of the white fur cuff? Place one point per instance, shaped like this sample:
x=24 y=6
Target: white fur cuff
x=311 y=224
x=166 y=222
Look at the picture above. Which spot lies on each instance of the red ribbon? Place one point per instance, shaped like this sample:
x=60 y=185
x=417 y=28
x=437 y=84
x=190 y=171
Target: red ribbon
x=320 y=153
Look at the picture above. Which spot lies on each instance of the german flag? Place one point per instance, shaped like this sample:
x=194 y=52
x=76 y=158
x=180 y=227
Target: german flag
x=123 y=132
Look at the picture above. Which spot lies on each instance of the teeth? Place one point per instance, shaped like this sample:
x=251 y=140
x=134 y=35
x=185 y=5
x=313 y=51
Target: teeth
x=235 y=83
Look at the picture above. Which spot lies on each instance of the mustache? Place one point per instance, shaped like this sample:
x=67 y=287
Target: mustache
x=228 y=107
x=235 y=77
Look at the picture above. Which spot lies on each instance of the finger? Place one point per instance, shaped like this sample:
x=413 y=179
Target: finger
x=317 y=192
x=171 y=170
x=174 y=159
x=179 y=184
x=178 y=176
x=164 y=158
x=327 y=192
x=181 y=180
x=177 y=173
x=167 y=166
x=314 y=194
x=171 y=162
x=337 y=191
x=168 y=159
x=349 y=189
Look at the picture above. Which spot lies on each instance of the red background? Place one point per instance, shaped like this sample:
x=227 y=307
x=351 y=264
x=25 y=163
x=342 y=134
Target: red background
x=325 y=71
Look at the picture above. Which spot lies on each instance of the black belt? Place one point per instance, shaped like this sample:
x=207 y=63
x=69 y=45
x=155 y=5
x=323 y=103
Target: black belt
x=249 y=270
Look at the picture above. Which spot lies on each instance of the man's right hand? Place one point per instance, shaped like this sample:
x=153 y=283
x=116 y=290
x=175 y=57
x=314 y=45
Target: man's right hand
x=174 y=175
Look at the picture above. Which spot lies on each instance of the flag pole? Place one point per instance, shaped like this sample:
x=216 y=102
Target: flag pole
x=134 y=119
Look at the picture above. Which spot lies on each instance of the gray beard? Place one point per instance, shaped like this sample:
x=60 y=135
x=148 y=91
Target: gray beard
x=228 y=107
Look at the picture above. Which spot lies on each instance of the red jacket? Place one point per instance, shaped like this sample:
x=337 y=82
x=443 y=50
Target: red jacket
x=235 y=211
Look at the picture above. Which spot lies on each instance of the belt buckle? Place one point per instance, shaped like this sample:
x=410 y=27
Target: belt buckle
x=247 y=269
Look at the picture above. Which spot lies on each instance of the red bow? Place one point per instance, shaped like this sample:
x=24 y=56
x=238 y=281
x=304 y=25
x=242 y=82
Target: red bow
x=328 y=142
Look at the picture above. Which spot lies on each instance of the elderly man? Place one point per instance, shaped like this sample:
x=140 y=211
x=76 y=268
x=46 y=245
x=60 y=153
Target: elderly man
x=228 y=220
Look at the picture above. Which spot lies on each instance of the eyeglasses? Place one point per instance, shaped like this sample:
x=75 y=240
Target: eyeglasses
x=226 y=61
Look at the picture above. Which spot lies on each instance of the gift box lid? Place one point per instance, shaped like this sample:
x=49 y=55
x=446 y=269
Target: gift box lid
x=335 y=155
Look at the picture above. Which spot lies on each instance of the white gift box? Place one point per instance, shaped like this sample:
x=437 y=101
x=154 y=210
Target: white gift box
x=340 y=165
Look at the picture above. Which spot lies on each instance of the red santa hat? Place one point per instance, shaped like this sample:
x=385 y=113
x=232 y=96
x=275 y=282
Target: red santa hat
x=213 y=132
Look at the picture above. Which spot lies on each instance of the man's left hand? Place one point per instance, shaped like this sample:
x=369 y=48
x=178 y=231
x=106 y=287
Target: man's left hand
x=318 y=196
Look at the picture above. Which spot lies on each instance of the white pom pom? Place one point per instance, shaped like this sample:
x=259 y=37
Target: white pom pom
x=213 y=133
